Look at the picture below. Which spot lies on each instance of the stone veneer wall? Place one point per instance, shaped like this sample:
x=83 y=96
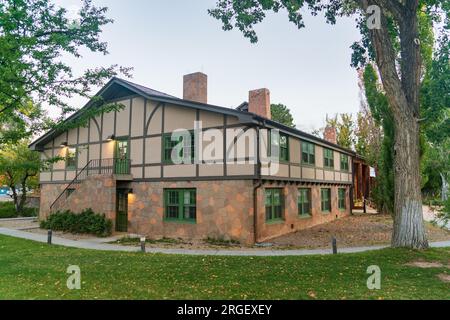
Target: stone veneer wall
x=224 y=208
x=224 y=211
x=96 y=192
x=292 y=221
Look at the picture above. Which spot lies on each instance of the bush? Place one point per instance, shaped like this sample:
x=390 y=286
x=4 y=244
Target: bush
x=86 y=222
x=7 y=210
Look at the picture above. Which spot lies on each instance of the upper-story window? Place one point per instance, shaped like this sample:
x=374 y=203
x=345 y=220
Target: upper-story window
x=328 y=158
x=344 y=162
x=308 y=153
x=186 y=150
x=71 y=158
x=280 y=142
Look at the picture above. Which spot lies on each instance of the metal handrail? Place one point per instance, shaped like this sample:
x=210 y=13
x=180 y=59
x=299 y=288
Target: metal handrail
x=96 y=167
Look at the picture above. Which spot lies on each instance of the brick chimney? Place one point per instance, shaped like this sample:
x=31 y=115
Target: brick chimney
x=330 y=134
x=195 y=87
x=259 y=103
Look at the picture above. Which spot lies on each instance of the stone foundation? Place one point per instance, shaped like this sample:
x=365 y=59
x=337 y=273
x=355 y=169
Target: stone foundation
x=224 y=208
x=292 y=221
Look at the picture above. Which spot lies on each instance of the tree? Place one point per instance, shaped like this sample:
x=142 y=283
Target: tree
x=19 y=167
x=36 y=37
x=344 y=129
x=282 y=114
x=390 y=37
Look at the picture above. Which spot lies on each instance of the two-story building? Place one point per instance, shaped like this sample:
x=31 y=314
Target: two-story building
x=181 y=168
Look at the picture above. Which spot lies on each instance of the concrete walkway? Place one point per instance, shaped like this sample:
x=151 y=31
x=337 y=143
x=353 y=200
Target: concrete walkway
x=96 y=245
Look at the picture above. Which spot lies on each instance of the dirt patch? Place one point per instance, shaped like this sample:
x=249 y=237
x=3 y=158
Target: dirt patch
x=61 y=234
x=19 y=224
x=425 y=264
x=352 y=231
x=444 y=277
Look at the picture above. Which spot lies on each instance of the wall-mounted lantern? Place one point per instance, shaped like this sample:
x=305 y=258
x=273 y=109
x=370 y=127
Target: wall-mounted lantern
x=111 y=138
x=64 y=145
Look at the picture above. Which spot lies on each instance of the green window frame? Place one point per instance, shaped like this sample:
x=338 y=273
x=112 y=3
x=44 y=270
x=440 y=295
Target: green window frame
x=344 y=162
x=304 y=202
x=180 y=205
x=71 y=158
x=282 y=143
x=341 y=199
x=328 y=158
x=168 y=145
x=325 y=199
x=308 y=153
x=274 y=204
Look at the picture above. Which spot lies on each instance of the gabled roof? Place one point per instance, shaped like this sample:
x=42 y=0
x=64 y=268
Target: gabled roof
x=117 y=88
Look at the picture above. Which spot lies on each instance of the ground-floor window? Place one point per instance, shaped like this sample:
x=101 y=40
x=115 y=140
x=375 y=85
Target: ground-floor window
x=325 y=195
x=274 y=204
x=304 y=202
x=180 y=204
x=341 y=198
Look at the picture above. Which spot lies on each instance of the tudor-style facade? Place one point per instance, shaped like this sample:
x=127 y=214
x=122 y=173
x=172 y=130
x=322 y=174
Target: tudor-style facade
x=119 y=165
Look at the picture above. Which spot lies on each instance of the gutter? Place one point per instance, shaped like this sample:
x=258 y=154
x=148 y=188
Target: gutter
x=258 y=183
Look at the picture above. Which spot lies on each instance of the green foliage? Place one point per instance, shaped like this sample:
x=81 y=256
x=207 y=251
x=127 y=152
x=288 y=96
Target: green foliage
x=383 y=192
x=344 y=129
x=19 y=167
x=8 y=210
x=86 y=222
x=282 y=114
x=36 y=38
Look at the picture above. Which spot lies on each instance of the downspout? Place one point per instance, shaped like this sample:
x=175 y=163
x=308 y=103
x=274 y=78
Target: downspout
x=352 y=188
x=256 y=186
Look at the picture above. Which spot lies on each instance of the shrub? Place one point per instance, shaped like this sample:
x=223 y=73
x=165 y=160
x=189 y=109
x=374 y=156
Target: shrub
x=7 y=210
x=86 y=222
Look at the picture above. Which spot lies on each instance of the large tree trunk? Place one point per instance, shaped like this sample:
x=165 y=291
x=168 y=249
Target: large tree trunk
x=403 y=96
x=409 y=229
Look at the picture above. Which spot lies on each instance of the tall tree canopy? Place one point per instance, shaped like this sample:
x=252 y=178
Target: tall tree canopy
x=282 y=114
x=390 y=38
x=36 y=37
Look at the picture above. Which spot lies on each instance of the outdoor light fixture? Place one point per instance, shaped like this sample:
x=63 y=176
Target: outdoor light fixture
x=111 y=138
x=64 y=144
x=130 y=191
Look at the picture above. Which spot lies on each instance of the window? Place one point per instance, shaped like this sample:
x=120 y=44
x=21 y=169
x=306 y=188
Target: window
x=304 y=202
x=71 y=158
x=185 y=152
x=344 y=162
x=280 y=142
x=341 y=199
x=69 y=192
x=328 y=158
x=274 y=204
x=308 y=153
x=180 y=204
x=325 y=195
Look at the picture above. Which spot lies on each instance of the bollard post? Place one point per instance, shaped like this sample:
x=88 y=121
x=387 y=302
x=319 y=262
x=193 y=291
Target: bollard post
x=143 y=244
x=334 y=245
x=49 y=237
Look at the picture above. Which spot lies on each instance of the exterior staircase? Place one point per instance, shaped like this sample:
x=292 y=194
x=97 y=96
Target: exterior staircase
x=119 y=168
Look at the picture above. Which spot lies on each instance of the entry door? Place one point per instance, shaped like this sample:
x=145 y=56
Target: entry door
x=122 y=157
x=122 y=211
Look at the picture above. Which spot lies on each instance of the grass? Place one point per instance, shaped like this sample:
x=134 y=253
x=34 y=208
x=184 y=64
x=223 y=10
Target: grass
x=30 y=270
x=7 y=210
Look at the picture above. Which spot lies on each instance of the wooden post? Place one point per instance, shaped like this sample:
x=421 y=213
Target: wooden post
x=143 y=244
x=334 y=245
x=49 y=236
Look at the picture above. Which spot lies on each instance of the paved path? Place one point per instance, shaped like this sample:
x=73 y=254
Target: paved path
x=96 y=245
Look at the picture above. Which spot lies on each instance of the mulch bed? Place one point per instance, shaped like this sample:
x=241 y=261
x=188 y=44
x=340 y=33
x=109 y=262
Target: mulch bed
x=352 y=231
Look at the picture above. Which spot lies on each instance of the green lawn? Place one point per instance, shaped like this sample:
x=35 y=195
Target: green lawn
x=30 y=270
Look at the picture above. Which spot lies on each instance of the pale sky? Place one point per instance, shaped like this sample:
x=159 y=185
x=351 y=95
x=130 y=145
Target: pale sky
x=308 y=70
